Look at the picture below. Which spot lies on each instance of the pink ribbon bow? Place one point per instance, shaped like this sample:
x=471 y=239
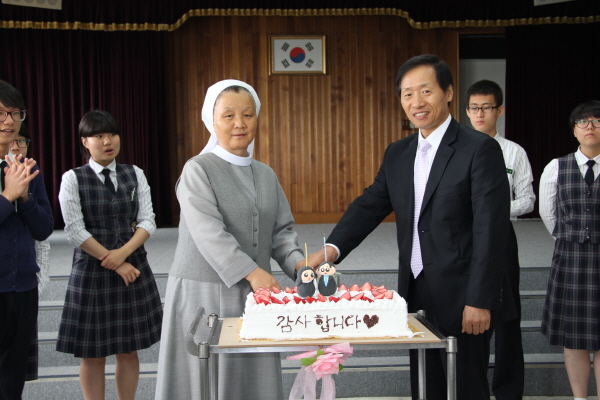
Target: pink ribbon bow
x=324 y=363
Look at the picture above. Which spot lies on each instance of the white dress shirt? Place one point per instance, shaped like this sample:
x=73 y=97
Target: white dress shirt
x=70 y=202
x=520 y=177
x=549 y=187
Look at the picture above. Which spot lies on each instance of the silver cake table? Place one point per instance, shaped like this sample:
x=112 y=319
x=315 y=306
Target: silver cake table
x=222 y=339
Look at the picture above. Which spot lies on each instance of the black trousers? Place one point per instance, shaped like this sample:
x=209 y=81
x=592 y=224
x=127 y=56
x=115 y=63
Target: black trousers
x=509 y=370
x=472 y=357
x=18 y=321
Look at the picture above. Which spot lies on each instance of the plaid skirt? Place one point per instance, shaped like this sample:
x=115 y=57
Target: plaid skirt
x=102 y=316
x=571 y=312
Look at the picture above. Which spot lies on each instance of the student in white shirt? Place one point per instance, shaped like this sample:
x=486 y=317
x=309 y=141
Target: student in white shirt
x=112 y=304
x=484 y=108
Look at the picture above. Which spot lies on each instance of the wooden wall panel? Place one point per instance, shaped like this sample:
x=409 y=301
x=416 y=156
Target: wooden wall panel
x=323 y=135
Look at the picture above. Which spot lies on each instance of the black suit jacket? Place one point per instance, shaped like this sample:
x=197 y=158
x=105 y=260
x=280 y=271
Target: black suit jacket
x=463 y=226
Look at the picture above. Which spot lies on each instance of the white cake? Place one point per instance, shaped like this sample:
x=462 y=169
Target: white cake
x=367 y=312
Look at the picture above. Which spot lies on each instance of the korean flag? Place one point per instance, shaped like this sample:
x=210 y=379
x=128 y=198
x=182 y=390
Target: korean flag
x=298 y=55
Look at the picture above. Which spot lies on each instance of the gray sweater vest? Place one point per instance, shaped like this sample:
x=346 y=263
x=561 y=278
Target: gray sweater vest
x=250 y=223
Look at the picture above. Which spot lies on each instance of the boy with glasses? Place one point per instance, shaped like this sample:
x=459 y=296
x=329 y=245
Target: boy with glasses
x=25 y=216
x=484 y=108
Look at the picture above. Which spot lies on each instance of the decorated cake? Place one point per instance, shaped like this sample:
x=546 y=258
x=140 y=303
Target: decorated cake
x=357 y=312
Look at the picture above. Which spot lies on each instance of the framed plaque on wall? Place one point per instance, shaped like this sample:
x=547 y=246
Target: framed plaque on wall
x=297 y=55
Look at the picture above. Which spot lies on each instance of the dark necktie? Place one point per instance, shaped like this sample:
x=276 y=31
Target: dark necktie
x=3 y=164
x=589 y=175
x=108 y=182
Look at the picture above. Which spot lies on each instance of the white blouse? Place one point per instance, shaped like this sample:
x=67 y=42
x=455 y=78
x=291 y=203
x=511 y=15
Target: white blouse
x=70 y=202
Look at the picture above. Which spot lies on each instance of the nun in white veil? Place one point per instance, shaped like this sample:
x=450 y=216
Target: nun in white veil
x=234 y=219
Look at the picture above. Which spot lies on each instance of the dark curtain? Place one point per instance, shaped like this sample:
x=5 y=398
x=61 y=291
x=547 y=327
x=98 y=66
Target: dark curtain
x=549 y=71
x=64 y=74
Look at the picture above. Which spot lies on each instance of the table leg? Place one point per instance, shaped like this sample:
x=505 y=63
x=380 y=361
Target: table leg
x=451 y=350
x=422 y=366
x=422 y=378
x=203 y=356
x=213 y=364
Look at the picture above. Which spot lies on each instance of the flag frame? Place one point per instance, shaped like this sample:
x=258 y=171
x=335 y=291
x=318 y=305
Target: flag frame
x=277 y=55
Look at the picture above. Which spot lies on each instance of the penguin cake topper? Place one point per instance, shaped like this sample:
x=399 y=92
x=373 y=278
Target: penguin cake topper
x=305 y=282
x=327 y=284
x=305 y=279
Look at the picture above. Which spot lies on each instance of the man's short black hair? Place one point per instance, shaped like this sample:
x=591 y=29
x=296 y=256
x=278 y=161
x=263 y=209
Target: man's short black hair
x=442 y=70
x=486 y=87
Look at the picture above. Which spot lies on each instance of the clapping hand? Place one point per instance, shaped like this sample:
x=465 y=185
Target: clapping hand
x=17 y=177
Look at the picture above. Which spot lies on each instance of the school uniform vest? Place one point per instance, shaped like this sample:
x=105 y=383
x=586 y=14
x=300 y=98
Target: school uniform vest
x=577 y=204
x=109 y=218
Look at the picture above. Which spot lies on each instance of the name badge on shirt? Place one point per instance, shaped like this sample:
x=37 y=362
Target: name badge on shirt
x=509 y=171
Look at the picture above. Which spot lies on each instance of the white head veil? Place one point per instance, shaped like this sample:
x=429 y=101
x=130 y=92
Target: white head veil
x=209 y=106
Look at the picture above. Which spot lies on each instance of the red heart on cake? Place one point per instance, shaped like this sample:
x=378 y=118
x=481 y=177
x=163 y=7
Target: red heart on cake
x=370 y=321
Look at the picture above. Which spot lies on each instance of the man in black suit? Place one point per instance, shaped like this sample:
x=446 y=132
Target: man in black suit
x=452 y=267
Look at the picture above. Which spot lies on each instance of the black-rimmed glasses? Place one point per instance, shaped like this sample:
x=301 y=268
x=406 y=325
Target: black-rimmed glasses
x=583 y=123
x=22 y=142
x=17 y=116
x=485 y=109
